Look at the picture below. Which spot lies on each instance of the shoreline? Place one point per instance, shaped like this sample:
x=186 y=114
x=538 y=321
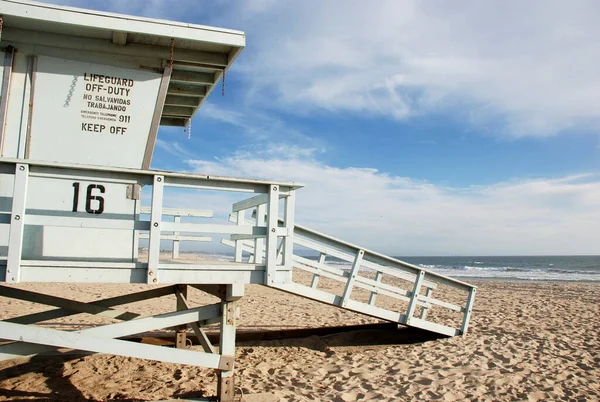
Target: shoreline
x=515 y=280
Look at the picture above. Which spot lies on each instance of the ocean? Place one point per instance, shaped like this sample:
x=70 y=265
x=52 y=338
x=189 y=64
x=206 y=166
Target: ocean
x=581 y=268
x=515 y=268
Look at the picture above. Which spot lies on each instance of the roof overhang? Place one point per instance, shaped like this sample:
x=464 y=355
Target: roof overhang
x=199 y=54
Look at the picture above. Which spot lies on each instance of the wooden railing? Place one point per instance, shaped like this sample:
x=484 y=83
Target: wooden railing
x=376 y=276
x=177 y=237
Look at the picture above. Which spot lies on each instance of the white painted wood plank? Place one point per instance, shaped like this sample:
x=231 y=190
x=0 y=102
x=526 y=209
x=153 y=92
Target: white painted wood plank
x=340 y=275
x=91 y=222
x=259 y=243
x=352 y=277
x=271 y=241
x=84 y=264
x=358 y=283
x=373 y=295
x=412 y=304
x=17 y=224
x=52 y=337
x=145 y=324
x=202 y=239
x=197 y=213
x=368 y=264
x=468 y=310
x=441 y=303
x=370 y=255
x=238 y=242
x=315 y=279
x=155 y=229
x=213 y=228
x=424 y=310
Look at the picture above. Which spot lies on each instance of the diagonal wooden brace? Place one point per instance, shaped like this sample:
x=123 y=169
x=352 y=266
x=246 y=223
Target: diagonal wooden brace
x=71 y=307
x=122 y=329
x=198 y=331
x=77 y=340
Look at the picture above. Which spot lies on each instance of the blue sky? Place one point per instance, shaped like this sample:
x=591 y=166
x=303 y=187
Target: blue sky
x=419 y=128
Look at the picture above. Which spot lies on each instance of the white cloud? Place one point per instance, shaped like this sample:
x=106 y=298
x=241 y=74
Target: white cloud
x=510 y=68
x=523 y=68
x=174 y=148
x=401 y=216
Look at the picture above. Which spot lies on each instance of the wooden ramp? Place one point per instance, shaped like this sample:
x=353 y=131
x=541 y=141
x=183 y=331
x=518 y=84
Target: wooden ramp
x=342 y=274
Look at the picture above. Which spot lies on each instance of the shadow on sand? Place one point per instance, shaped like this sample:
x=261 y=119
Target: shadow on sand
x=51 y=367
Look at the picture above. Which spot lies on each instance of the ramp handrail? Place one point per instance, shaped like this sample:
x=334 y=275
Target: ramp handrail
x=361 y=260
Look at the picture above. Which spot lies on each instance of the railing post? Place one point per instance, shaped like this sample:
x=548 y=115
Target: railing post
x=155 y=226
x=412 y=305
x=176 y=219
x=350 y=284
x=468 y=309
x=225 y=377
x=17 y=223
x=181 y=333
x=272 y=224
x=288 y=219
x=241 y=220
x=315 y=278
x=136 y=233
x=373 y=295
x=259 y=243
x=424 y=309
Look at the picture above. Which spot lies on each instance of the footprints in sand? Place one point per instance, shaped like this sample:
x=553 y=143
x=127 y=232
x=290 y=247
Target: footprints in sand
x=522 y=345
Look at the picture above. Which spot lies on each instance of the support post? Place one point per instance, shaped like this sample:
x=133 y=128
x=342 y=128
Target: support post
x=288 y=219
x=160 y=104
x=259 y=243
x=316 y=276
x=350 y=284
x=412 y=305
x=272 y=224
x=155 y=227
x=426 y=306
x=176 y=219
x=17 y=224
x=181 y=333
x=226 y=388
x=468 y=309
x=373 y=295
x=241 y=220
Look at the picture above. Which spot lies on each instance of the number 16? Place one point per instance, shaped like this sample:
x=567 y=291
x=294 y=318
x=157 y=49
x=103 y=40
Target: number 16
x=89 y=198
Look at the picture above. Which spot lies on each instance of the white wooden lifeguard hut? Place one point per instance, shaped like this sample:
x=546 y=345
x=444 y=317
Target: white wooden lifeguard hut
x=83 y=94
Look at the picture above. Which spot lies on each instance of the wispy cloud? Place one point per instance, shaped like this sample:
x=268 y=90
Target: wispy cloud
x=513 y=68
x=260 y=127
x=174 y=148
x=510 y=68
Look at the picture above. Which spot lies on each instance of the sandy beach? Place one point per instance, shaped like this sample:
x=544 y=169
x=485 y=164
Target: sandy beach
x=527 y=341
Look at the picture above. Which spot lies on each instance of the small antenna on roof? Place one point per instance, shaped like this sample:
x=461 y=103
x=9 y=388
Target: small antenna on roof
x=223 y=83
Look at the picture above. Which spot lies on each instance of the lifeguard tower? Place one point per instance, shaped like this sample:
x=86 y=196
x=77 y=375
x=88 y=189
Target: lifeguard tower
x=83 y=94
